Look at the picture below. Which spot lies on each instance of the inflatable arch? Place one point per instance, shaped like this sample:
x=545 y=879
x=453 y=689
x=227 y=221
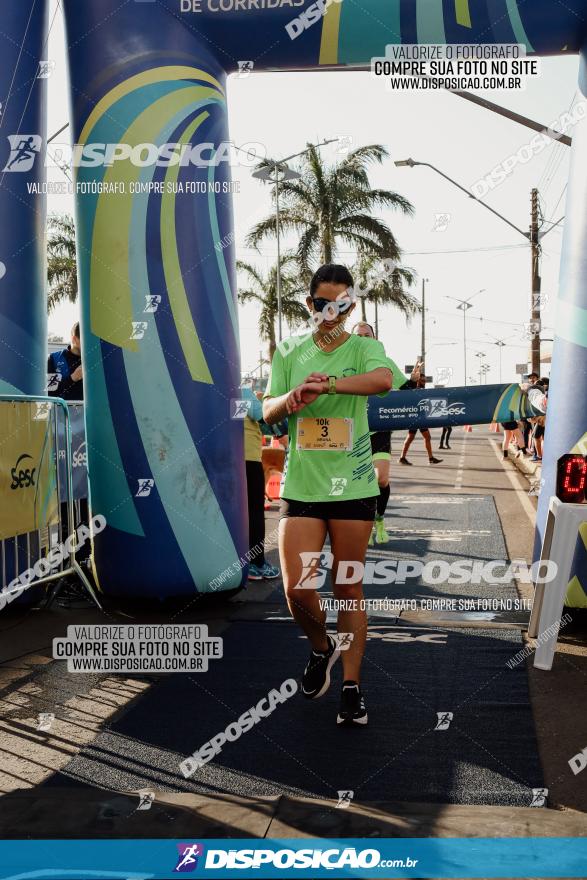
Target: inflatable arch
x=156 y=267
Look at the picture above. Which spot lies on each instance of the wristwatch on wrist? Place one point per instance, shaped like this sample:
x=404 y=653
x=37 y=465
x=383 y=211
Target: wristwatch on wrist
x=332 y=384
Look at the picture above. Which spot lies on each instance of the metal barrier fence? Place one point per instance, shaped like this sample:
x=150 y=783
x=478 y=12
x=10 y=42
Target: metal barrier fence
x=39 y=524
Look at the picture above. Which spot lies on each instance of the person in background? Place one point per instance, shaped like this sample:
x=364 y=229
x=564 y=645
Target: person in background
x=445 y=437
x=511 y=431
x=65 y=380
x=417 y=380
x=525 y=424
x=64 y=369
x=538 y=397
x=259 y=568
x=381 y=454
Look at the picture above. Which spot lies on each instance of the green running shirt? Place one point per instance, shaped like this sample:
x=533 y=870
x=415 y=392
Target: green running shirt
x=325 y=474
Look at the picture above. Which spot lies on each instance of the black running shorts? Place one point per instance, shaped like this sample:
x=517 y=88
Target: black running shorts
x=381 y=444
x=355 y=508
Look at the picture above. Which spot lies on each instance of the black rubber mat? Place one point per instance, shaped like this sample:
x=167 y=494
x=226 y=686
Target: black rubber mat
x=487 y=755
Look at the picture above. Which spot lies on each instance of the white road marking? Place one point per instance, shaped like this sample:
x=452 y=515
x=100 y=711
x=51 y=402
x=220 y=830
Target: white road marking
x=520 y=493
x=436 y=499
x=437 y=535
x=441 y=532
x=461 y=465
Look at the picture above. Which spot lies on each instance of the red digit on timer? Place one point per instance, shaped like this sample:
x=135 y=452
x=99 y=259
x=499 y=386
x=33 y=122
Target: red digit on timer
x=571 y=478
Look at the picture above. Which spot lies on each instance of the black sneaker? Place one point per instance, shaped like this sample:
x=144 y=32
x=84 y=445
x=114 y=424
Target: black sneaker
x=404 y=460
x=316 y=677
x=352 y=705
x=434 y=460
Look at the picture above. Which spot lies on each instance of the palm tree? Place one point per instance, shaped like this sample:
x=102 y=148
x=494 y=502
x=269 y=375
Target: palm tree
x=263 y=289
x=61 y=260
x=329 y=206
x=384 y=288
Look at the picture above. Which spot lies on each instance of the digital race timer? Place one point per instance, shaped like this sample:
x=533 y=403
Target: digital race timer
x=571 y=478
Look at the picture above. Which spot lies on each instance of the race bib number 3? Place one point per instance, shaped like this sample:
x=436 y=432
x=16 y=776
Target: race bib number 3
x=325 y=434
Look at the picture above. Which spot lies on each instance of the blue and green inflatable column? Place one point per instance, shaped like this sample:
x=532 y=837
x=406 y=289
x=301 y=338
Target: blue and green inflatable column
x=23 y=303
x=159 y=319
x=566 y=424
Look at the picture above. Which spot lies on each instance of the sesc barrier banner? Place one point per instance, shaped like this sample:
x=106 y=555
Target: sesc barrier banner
x=79 y=460
x=28 y=496
x=436 y=407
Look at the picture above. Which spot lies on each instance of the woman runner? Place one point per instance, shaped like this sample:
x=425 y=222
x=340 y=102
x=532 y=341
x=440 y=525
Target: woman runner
x=321 y=382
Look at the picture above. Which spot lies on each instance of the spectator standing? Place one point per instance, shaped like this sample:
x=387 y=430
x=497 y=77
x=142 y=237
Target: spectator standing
x=64 y=369
x=259 y=568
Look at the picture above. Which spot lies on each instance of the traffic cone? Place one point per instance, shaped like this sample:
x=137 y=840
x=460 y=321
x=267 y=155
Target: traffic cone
x=273 y=486
x=495 y=428
x=468 y=429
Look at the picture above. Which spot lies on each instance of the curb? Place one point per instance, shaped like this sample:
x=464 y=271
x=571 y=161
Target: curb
x=532 y=470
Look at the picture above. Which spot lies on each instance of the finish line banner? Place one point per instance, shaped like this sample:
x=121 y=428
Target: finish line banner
x=350 y=857
x=436 y=407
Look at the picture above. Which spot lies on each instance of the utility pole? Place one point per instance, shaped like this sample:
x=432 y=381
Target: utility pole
x=376 y=317
x=536 y=283
x=423 y=336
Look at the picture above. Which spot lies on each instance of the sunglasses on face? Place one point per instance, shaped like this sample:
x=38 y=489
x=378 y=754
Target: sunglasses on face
x=341 y=305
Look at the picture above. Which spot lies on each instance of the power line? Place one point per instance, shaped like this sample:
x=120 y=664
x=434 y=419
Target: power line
x=474 y=318
x=477 y=250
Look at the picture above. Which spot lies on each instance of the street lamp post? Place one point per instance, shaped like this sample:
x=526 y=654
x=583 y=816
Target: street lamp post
x=480 y=355
x=501 y=343
x=278 y=277
x=411 y=163
x=276 y=172
x=532 y=236
x=465 y=305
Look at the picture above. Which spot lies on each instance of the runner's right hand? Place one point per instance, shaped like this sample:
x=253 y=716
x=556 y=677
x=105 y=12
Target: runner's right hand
x=304 y=394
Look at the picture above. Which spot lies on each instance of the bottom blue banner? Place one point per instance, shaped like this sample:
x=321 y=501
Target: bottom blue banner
x=352 y=857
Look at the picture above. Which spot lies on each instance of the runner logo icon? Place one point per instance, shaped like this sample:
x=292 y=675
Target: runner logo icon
x=444 y=719
x=314 y=570
x=539 y=796
x=344 y=799
x=189 y=854
x=24 y=149
x=338 y=485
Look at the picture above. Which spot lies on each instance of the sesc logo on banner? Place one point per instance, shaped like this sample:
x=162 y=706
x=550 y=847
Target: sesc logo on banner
x=436 y=409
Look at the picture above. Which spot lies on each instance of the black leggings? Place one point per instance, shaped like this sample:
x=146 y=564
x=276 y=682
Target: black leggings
x=256 y=499
x=382 y=499
x=445 y=437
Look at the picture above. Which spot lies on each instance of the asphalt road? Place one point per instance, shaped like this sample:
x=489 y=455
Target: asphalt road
x=129 y=733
